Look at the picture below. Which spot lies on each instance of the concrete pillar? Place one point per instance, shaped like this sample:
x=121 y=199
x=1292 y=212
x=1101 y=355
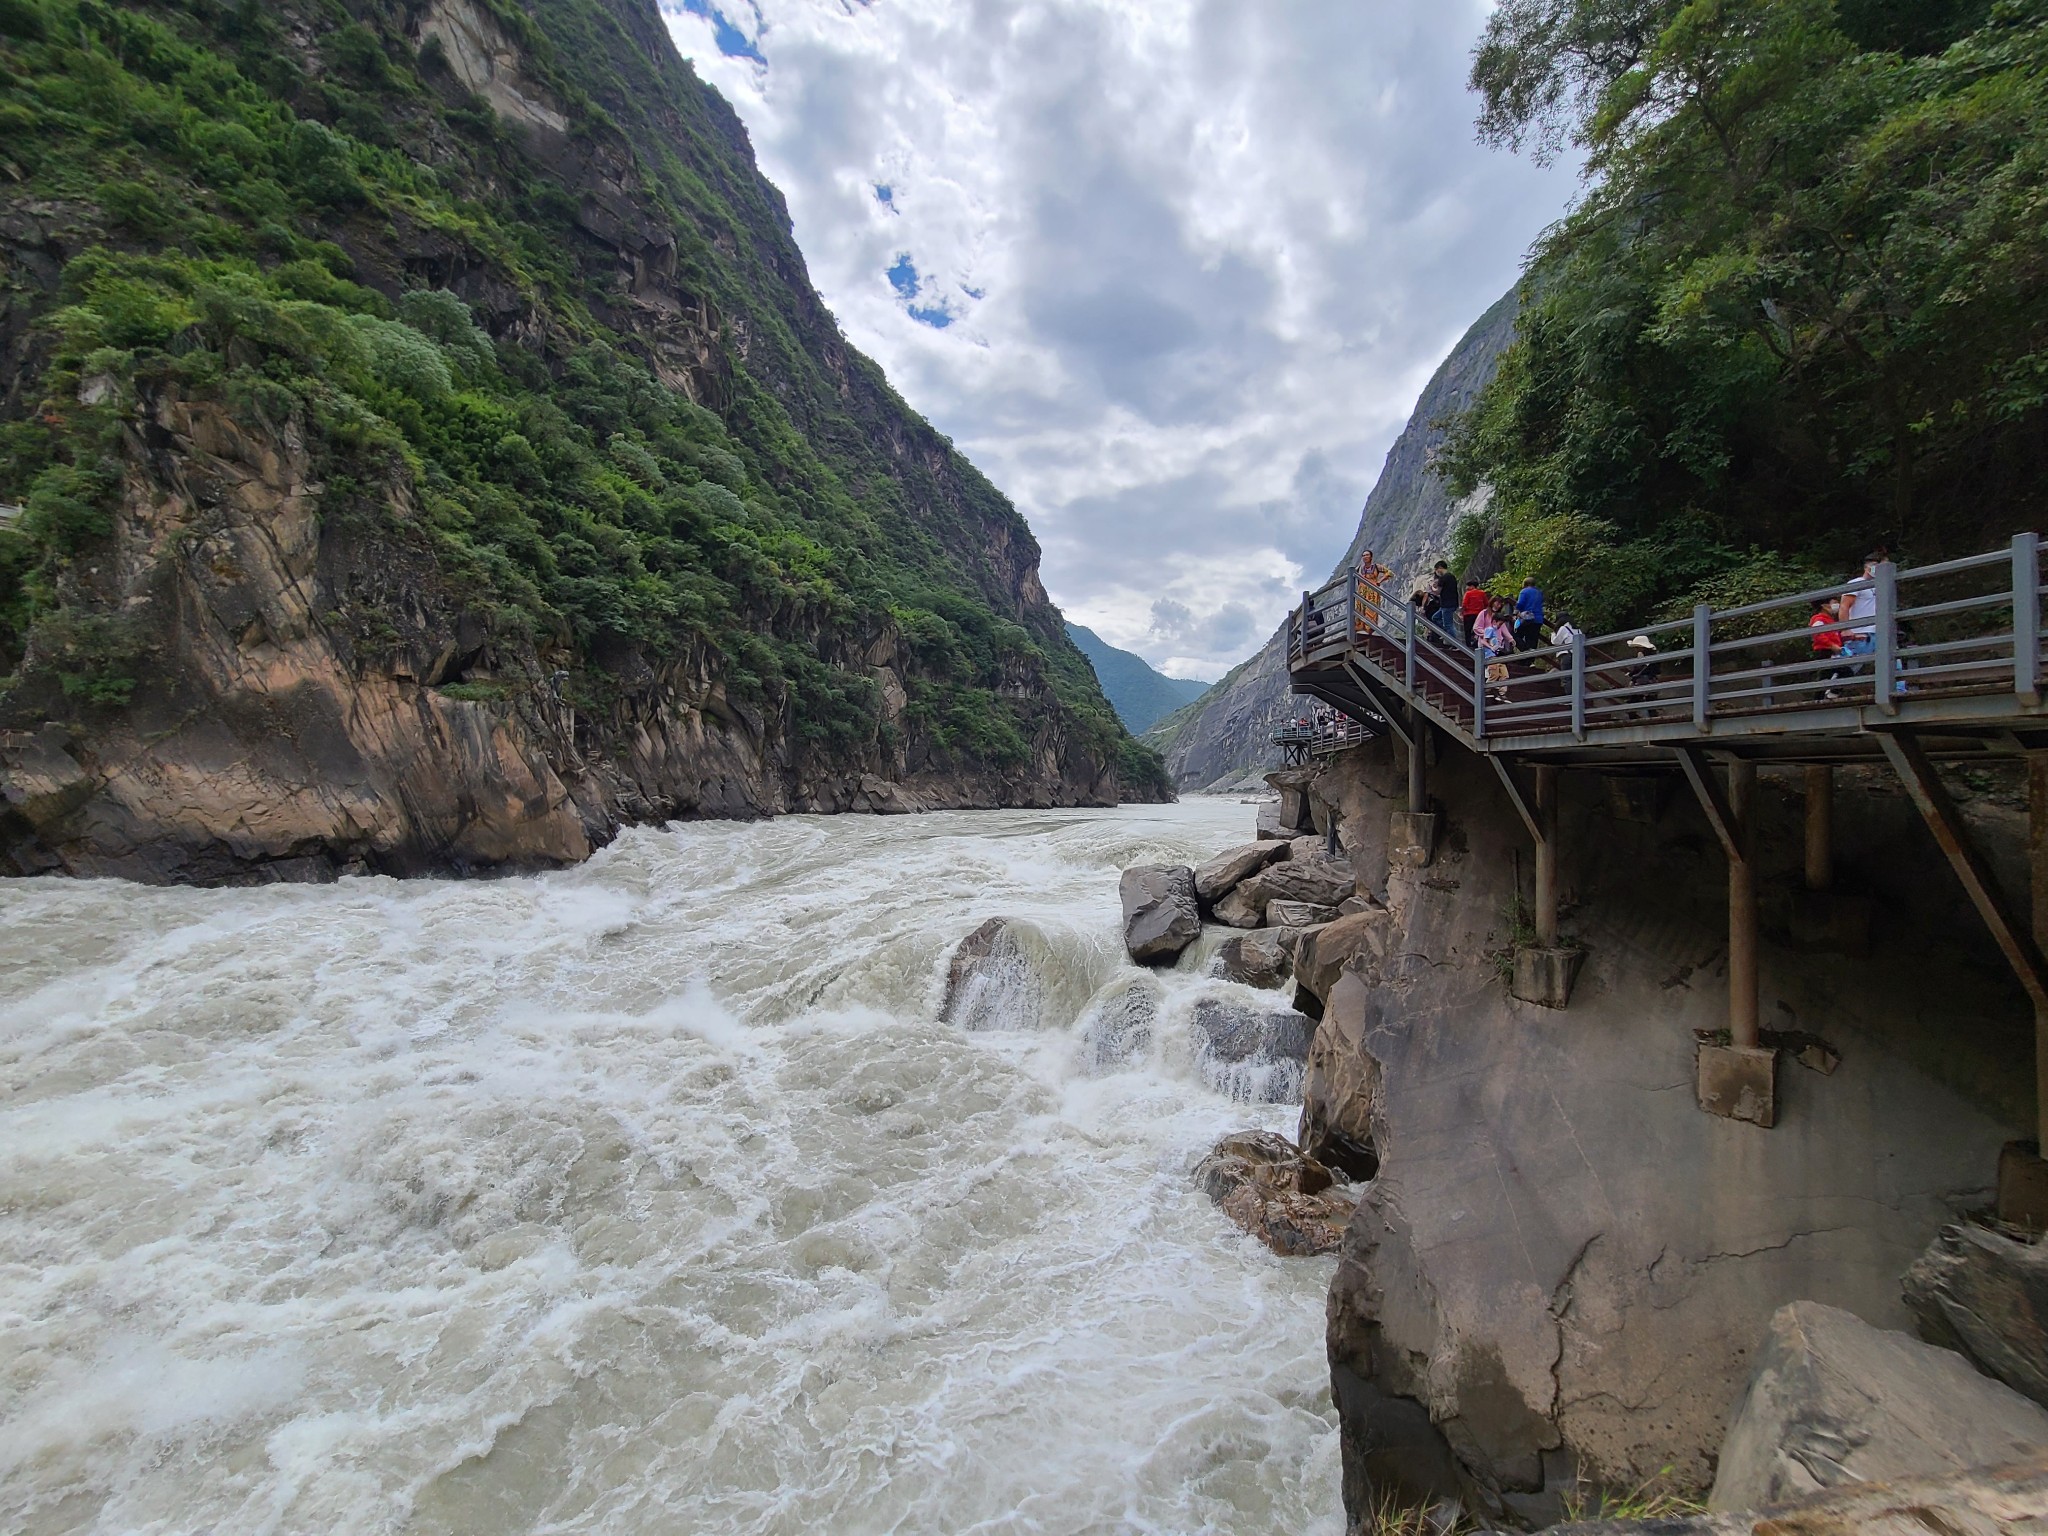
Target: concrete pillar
x=1820 y=827
x=1743 y=987
x=1418 y=769
x=1546 y=856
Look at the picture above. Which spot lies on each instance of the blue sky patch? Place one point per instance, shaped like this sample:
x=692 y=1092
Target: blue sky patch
x=885 y=195
x=731 y=41
x=903 y=276
x=934 y=315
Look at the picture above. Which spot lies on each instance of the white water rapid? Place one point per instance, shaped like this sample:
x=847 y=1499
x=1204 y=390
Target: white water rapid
x=645 y=1196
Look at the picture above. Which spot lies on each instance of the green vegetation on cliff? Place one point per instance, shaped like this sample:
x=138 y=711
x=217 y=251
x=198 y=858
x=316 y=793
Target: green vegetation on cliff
x=636 y=430
x=1801 y=309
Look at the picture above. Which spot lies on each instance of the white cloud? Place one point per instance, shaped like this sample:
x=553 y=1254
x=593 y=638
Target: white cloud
x=1194 y=258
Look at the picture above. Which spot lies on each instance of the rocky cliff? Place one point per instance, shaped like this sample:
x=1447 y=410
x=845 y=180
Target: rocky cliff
x=1561 y=1267
x=421 y=448
x=1407 y=524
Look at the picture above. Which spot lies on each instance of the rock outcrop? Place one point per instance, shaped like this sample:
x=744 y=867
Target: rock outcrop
x=1161 y=917
x=1835 y=1401
x=1256 y=959
x=1292 y=1204
x=1561 y=1266
x=1986 y=1294
x=1222 y=874
x=1986 y=1501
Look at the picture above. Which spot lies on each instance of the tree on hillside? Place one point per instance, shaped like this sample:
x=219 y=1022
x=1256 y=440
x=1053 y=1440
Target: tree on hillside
x=1802 y=306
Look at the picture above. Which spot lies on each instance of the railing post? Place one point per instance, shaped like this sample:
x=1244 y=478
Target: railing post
x=1578 y=684
x=1479 y=693
x=1408 y=619
x=1702 y=665
x=2026 y=617
x=1305 y=599
x=1886 y=582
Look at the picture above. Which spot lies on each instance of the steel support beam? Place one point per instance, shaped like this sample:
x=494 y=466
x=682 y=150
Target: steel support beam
x=2016 y=943
x=1418 y=766
x=1700 y=774
x=1381 y=702
x=1546 y=855
x=1524 y=804
x=2037 y=868
x=1745 y=996
x=1820 y=827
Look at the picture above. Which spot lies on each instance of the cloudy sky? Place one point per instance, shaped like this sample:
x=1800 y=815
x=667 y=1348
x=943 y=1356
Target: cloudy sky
x=1171 y=272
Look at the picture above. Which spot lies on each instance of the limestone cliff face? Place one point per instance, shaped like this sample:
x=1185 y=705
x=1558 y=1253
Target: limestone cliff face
x=1563 y=1266
x=306 y=602
x=1406 y=523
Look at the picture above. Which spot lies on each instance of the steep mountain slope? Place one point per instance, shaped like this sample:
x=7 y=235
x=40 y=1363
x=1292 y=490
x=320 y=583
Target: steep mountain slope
x=1406 y=522
x=433 y=455
x=1138 y=693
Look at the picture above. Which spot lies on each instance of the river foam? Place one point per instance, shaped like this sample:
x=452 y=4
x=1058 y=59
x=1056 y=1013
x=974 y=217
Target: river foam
x=649 y=1195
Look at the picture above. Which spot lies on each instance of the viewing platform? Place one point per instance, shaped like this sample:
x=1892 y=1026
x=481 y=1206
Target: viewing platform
x=1951 y=669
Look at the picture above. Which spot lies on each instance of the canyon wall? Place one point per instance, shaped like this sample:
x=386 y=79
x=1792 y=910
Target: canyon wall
x=1563 y=1266
x=1406 y=523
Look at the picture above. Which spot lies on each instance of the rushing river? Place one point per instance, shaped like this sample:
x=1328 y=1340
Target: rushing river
x=645 y=1196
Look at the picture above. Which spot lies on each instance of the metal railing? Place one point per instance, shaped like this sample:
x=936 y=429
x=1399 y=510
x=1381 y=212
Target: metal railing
x=1962 y=628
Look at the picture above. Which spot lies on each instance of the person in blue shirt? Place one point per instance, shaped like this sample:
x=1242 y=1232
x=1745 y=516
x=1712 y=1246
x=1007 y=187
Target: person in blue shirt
x=1529 y=615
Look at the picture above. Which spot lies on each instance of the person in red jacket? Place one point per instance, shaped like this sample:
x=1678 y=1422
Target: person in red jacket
x=1476 y=602
x=1827 y=643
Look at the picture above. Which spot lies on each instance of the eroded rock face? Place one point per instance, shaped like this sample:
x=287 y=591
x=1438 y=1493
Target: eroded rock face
x=1319 y=882
x=1160 y=915
x=1986 y=1294
x=1119 y=1027
x=1291 y=1203
x=1561 y=1267
x=1836 y=1401
x=1221 y=874
x=1359 y=937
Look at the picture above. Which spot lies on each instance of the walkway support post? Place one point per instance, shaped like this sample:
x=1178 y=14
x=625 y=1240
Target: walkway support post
x=1546 y=855
x=2026 y=617
x=1820 y=827
x=1743 y=997
x=2037 y=867
x=1739 y=1080
x=1418 y=768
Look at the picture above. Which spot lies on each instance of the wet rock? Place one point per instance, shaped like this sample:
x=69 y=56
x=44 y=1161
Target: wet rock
x=1320 y=960
x=1291 y=1203
x=1231 y=1031
x=990 y=982
x=1257 y=959
x=1341 y=1084
x=1269 y=827
x=1119 y=1026
x=1320 y=881
x=1297 y=914
x=1834 y=1400
x=1239 y=910
x=1987 y=1295
x=1160 y=915
x=1989 y=1501
x=1221 y=874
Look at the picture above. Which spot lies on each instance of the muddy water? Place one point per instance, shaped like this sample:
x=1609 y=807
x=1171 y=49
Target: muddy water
x=646 y=1196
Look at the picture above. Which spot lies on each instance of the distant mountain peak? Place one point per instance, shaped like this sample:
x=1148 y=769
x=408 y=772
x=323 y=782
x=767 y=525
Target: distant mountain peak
x=1139 y=692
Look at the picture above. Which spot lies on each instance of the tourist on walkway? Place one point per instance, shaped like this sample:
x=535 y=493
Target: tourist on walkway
x=1443 y=588
x=1644 y=676
x=1529 y=615
x=1371 y=577
x=1827 y=645
x=1475 y=603
x=1858 y=607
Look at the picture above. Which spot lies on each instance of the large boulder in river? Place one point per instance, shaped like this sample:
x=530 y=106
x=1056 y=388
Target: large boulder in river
x=1254 y=1055
x=1834 y=1400
x=1117 y=1027
x=1222 y=873
x=990 y=981
x=1257 y=959
x=1160 y=915
x=1986 y=1295
x=1291 y=1203
x=1240 y=909
x=1321 y=882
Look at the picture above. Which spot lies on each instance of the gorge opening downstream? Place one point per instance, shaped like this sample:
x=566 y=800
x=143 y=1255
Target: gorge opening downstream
x=647 y=1195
